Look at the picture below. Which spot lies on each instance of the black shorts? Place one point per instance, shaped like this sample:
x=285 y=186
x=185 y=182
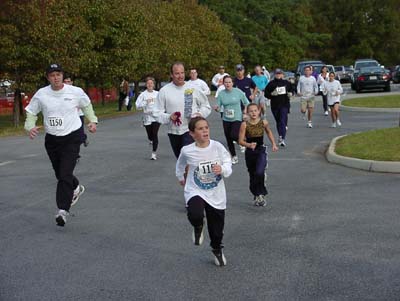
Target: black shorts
x=336 y=103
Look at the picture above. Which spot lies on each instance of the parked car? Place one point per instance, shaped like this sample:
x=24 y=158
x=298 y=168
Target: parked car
x=388 y=73
x=362 y=63
x=302 y=64
x=369 y=78
x=396 y=74
x=331 y=68
x=343 y=73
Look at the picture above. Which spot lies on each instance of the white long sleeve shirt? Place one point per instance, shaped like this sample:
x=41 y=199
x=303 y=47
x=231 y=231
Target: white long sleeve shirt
x=201 y=85
x=307 y=87
x=200 y=180
x=146 y=101
x=60 y=108
x=332 y=89
x=185 y=99
x=216 y=78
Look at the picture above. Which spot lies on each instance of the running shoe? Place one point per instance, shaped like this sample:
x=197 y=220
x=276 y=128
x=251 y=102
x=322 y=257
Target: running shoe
x=235 y=160
x=219 y=257
x=262 y=201
x=153 y=156
x=309 y=125
x=326 y=113
x=338 y=123
x=280 y=139
x=61 y=217
x=282 y=143
x=242 y=149
x=77 y=193
x=333 y=125
x=198 y=235
x=86 y=143
x=150 y=142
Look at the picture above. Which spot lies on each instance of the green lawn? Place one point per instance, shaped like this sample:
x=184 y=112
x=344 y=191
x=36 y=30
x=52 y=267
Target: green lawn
x=389 y=101
x=106 y=111
x=379 y=145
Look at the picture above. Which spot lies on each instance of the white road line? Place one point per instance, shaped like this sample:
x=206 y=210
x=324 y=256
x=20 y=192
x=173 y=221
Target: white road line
x=29 y=156
x=7 y=162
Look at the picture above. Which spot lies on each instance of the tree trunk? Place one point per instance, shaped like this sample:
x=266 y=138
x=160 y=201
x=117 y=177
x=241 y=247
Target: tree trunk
x=17 y=111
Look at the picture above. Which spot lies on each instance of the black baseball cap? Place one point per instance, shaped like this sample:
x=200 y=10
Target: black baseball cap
x=54 y=67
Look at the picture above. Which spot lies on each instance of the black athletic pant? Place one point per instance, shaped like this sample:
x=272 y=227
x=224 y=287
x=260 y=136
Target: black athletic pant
x=152 y=133
x=215 y=219
x=231 y=131
x=121 y=100
x=179 y=141
x=63 y=152
x=256 y=162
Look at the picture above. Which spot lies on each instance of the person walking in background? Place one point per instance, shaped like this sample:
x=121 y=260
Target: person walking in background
x=123 y=94
x=208 y=163
x=59 y=104
x=232 y=100
x=322 y=77
x=279 y=91
x=261 y=82
x=198 y=83
x=216 y=78
x=146 y=101
x=251 y=136
x=84 y=138
x=178 y=102
x=333 y=89
x=307 y=88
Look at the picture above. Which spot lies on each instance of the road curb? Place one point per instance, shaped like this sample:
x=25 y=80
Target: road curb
x=362 y=109
x=368 y=165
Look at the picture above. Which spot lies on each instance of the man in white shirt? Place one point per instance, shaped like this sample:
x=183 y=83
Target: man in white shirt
x=198 y=83
x=216 y=78
x=307 y=89
x=178 y=102
x=60 y=104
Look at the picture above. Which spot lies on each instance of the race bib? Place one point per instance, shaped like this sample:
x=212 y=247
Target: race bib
x=56 y=123
x=229 y=113
x=149 y=106
x=281 y=90
x=204 y=177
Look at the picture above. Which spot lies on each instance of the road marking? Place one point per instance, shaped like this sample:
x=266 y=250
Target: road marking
x=29 y=156
x=7 y=162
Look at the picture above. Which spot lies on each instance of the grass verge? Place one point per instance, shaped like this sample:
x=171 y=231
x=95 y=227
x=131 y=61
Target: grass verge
x=107 y=111
x=389 y=101
x=378 y=145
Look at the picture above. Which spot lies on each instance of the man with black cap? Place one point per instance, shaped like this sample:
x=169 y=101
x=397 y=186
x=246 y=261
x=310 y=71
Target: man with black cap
x=60 y=104
x=279 y=91
x=244 y=83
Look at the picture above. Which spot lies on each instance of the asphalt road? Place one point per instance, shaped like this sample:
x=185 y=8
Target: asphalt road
x=328 y=232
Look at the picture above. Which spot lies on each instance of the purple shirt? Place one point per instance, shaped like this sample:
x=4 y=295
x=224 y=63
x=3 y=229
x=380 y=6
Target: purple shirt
x=245 y=85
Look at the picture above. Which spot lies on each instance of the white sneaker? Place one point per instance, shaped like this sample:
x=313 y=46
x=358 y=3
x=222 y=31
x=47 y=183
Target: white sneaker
x=282 y=143
x=235 y=160
x=153 y=156
x=338 y=123
x=333 y=125
x=326 y=113
x=77 y=193
x=262 y=202
x=280 y=139
x=219 y=257
x=309 y=124
x=61 y=217
x=242 y=149
x=150 y=142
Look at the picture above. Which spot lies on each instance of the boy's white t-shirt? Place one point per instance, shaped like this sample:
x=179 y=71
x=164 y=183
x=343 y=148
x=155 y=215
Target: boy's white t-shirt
x=60 y=108
x=147 y=101
x=201 y=181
